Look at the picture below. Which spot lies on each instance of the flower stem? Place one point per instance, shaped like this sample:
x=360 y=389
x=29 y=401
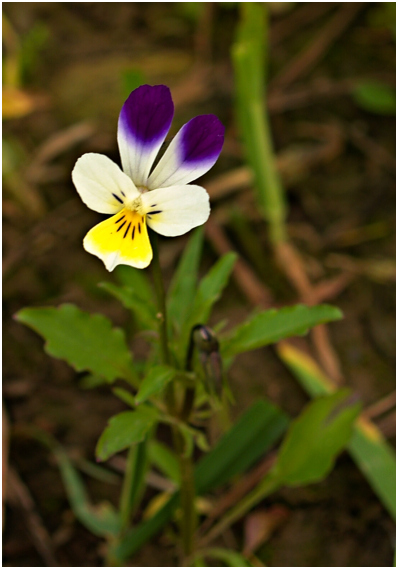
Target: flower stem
x=161 y=299
x=187 y=491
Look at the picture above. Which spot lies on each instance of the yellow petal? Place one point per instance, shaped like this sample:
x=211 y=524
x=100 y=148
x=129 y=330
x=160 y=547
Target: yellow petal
x=121 y=240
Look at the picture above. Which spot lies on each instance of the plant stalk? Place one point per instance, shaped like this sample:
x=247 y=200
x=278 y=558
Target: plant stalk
x=264 y=489
x=187 y=490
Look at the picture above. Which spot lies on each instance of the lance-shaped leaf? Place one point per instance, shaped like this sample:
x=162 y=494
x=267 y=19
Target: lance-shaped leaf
x=183 y=286
x=307 y=453
x=207 y=294
x=100 y=519
x=249 y=438
x=273 y=325
x=153 y=383
x=372 y=453
x=315 y=438
x=86 y=341
x=125 y=429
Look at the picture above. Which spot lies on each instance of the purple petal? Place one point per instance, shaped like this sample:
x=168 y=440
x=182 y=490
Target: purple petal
x=193 y=151
x=144 y=122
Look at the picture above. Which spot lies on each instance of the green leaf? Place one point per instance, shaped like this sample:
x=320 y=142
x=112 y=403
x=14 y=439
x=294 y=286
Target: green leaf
x=375 y=97
x=250 y=437
x=102 y=519
x=210 y=288
x=137 y=280
x=228 y=556
x=86 y=341
x=315 y=439
x=183 y=286
x=208 y=292
x=125 y=396
x=376 y=459
x=125 y=429
x=253 y=433
x=165 y=460
x=371 y=452
x=143 y=309
x=156 y=380
x=134 y=481
x=273 y=325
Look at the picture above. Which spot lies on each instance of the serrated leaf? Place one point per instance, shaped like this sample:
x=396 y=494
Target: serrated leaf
x=154 y=382
x=125 y=429
x=315 y=439
x=143 y=309
x=273 y=325
x=86 y=341
x=183 y=285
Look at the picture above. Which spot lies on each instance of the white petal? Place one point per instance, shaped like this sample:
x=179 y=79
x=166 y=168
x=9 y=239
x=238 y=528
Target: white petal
x=101 y=184
x=175 y=210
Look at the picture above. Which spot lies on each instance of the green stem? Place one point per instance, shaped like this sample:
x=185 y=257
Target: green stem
x=188 y=494
x=264 y=489
x=249 y=55
x=161 y=299
x=125 y=497
x=187 y=490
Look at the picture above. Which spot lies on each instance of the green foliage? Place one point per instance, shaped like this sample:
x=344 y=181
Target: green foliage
x=228 y=556
x=207 y=293
x=249 y=438
x=376 y=459
x=154 y=382
x=254 y=432
x=125 y=396
x=143 y=310
x=134 y=480
x=375 y=97
x=125 y=429
x=183 y=285
x=307 y=453
x=371 y=452
x=210 y=289
x=135 y=293
x=102 y=519
x=137 y=280
x=315 y=438
x=273 y=325
x=165 y=460
x=86 y=341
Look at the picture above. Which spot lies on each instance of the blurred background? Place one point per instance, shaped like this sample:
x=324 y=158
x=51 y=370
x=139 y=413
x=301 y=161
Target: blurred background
x=67 y=68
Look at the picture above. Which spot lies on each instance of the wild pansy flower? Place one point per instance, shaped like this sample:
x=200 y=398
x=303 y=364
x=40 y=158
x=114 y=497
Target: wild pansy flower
x=162 y=198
